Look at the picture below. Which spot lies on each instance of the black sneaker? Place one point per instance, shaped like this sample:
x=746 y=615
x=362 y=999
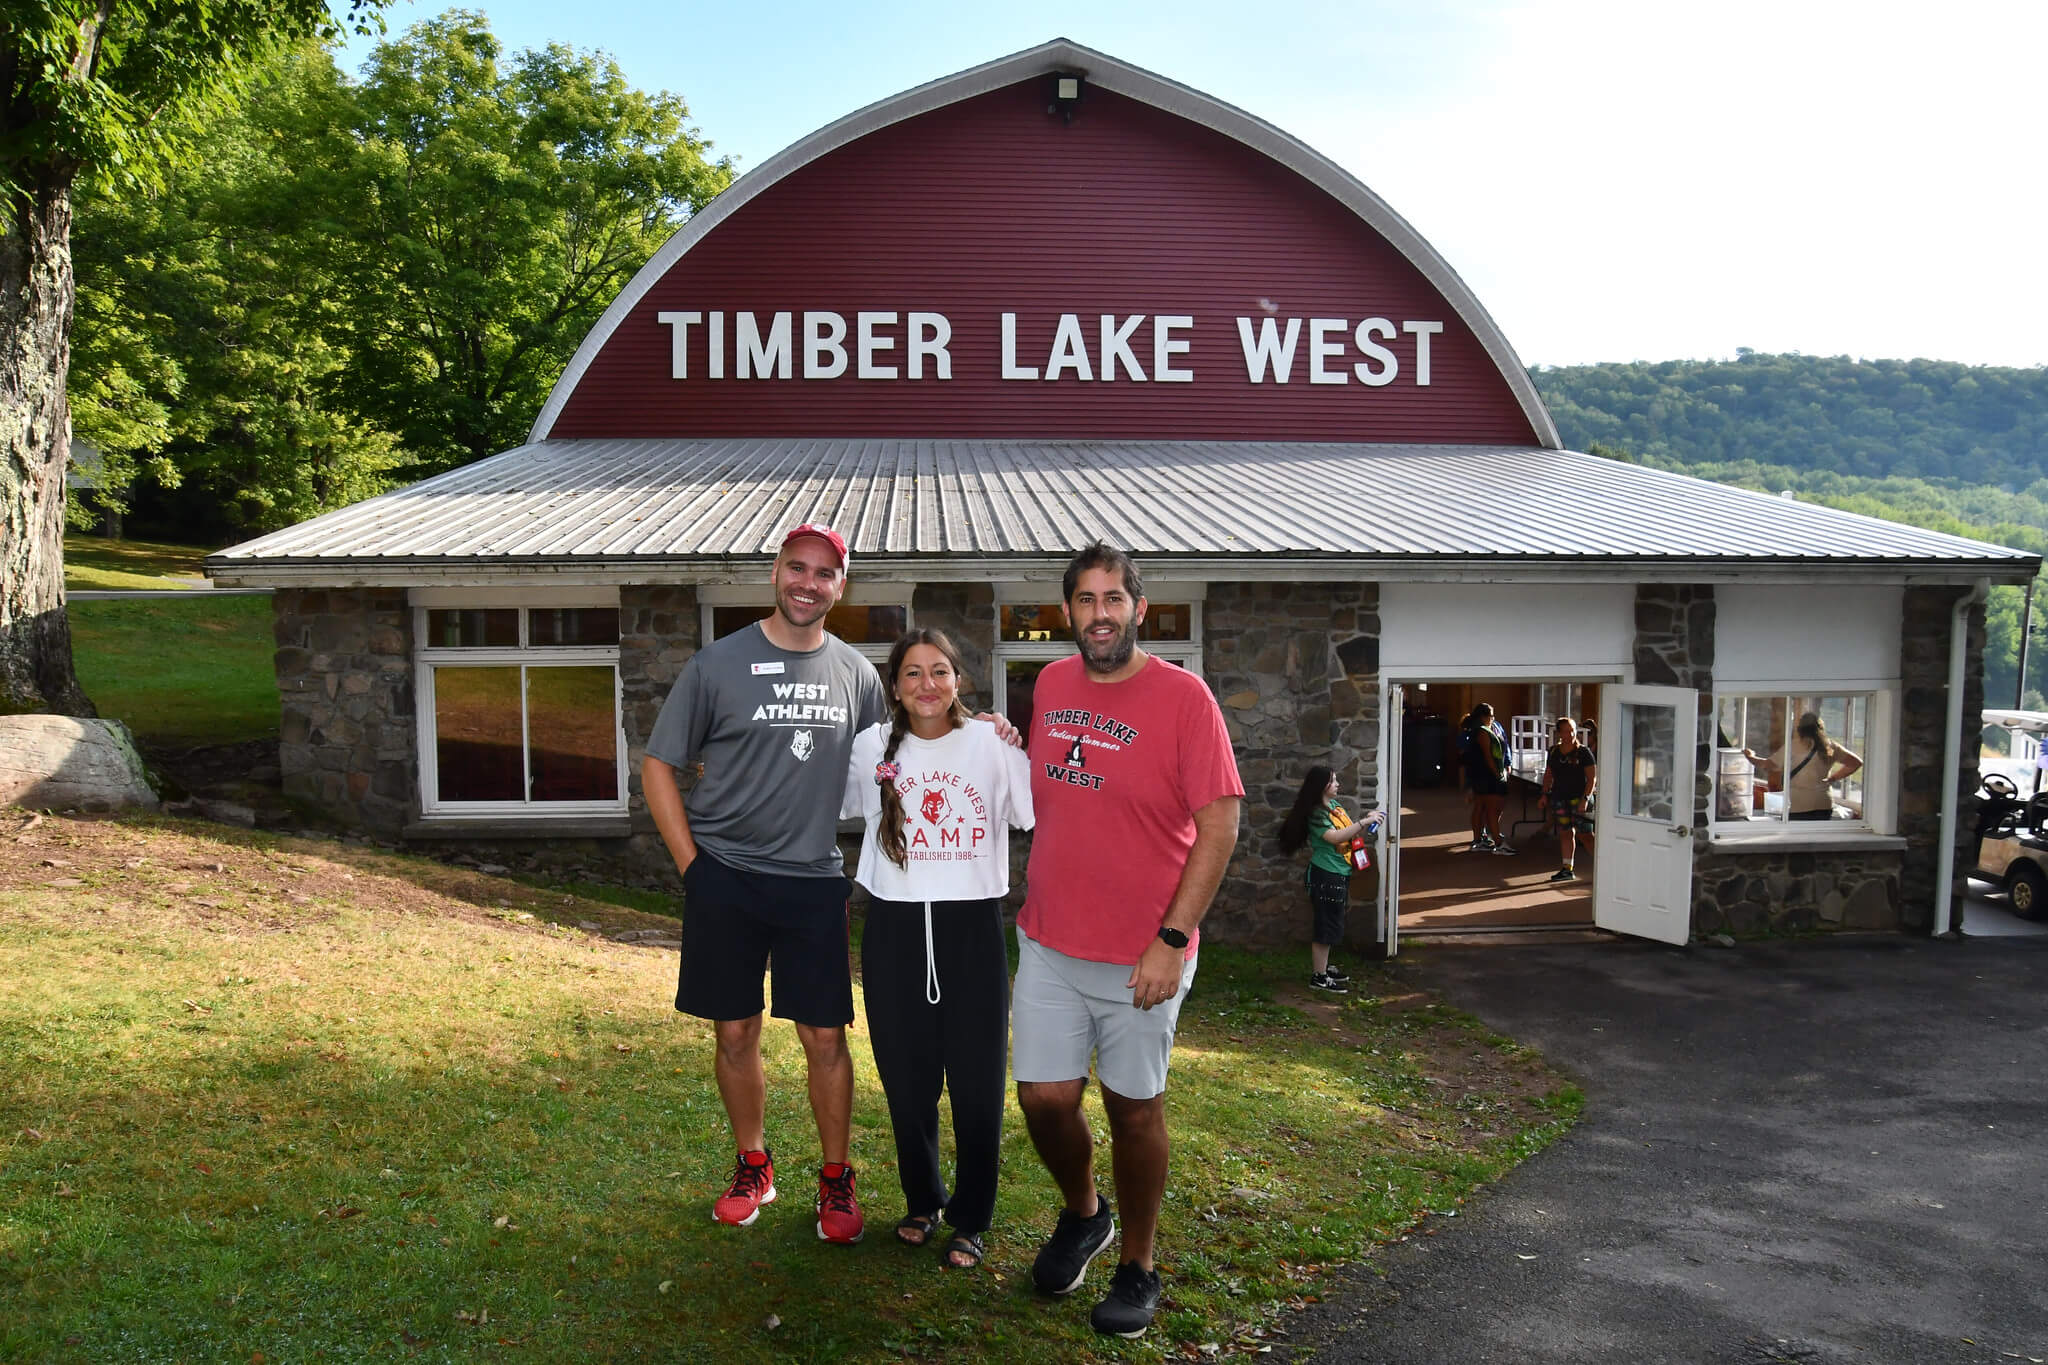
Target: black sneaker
x=1063 y=1261
x=1323 y=981
x=1337 y=974
x=1564 y=874
x=1133 y=1299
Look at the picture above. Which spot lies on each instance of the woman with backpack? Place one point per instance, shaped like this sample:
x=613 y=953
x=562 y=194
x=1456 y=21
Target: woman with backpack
x=1483 y=747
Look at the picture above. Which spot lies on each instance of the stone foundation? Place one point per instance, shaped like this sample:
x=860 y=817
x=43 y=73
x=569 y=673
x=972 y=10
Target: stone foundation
x=1794 y=891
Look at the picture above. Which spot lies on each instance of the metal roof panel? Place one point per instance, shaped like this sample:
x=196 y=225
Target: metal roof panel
x=623 y=500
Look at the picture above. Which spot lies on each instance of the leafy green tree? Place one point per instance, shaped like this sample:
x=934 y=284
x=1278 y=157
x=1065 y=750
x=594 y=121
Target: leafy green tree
x=92 y=87
x=479 y=217
x=213 y=288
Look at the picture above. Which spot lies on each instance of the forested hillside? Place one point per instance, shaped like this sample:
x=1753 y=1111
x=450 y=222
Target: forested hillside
x=1928 y=419
x=1955 y=448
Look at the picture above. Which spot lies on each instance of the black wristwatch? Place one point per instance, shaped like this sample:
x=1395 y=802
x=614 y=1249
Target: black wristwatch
x=1174 y=938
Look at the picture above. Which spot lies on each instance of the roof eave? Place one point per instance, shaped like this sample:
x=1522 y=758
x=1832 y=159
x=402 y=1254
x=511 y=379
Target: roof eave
x=423 y=571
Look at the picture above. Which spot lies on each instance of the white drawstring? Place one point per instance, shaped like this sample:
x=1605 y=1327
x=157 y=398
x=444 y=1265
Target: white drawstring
x=931 y=966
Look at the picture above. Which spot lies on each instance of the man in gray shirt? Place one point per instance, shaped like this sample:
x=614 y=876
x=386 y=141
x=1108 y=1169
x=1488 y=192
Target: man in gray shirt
x=771 y=712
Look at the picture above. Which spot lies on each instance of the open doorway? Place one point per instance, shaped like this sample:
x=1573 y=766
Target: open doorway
x=1452 y=882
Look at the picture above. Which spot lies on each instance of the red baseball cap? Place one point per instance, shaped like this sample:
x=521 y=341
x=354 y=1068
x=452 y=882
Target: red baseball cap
x=820 y=531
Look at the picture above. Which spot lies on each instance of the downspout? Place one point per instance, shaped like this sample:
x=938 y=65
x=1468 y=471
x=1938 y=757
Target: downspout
x=2019 y=688
x=1951 y=756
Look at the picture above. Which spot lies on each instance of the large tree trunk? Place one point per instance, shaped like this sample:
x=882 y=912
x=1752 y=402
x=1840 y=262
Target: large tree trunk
x=35 y=447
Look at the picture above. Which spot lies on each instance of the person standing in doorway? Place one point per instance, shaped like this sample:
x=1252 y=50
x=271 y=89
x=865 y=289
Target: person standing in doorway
x=771 y=713
x=1137 y=795
x=1486 y=778
x=1336 y=845
x=940 y=793
x=1570 y=775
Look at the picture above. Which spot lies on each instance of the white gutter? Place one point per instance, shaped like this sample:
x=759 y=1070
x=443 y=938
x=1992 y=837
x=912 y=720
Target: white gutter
x=1951 y=756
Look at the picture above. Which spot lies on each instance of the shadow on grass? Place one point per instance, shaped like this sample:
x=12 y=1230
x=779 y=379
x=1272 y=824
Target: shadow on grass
x=381 y=1123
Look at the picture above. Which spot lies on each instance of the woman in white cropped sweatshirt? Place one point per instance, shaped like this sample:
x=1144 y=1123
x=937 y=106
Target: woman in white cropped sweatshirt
x=940 y=793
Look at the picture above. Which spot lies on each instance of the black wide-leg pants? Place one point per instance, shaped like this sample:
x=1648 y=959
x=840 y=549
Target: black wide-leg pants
x=961 y=1045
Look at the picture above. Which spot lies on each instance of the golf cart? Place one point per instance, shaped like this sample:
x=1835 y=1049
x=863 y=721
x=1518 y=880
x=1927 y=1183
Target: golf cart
x=2012 y=828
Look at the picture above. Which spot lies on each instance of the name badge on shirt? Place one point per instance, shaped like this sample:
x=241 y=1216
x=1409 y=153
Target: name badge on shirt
x=775 y=667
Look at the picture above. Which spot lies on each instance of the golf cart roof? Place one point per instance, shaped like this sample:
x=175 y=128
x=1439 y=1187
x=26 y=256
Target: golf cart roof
x=2026 y=722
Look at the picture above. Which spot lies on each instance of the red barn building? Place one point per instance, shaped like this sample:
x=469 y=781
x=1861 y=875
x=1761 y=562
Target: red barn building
x=1056 y=297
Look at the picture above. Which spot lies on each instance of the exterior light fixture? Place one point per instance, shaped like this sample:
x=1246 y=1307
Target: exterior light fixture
x=1066 y=94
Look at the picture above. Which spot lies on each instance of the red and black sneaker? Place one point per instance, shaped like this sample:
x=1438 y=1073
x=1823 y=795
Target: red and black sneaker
x=753 y=1184
x=839 y=1217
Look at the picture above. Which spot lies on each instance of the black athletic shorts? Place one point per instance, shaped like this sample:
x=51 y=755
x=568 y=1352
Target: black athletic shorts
x=1486 y=784
x=734 y=921
x=1328 y=894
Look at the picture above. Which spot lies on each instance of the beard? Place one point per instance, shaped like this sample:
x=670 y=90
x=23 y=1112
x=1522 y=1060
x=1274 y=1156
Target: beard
x=1109 y=656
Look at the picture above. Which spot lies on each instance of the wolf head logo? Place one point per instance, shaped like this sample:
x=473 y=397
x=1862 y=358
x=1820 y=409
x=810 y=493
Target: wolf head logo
x=935 y=807
x=801 y=744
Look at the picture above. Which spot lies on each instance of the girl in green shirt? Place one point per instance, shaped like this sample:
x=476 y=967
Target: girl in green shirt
x=1336 y=846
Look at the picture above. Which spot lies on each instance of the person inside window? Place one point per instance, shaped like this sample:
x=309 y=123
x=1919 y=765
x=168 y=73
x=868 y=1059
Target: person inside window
x=1809 y=766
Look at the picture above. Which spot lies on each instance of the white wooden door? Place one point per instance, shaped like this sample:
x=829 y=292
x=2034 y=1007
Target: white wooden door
x=1642 y=858
x=1390 y=828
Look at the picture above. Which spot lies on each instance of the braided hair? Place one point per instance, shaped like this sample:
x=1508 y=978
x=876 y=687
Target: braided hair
x=894 y=847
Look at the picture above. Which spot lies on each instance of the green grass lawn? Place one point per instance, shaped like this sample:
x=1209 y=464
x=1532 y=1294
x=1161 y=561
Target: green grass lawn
x=282 y=1100
x=97 y=562
x=180 y=672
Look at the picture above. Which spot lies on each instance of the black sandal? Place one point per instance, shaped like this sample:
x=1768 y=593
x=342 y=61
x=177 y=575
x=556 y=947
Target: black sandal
x=966 y=1244
x=923 y=1224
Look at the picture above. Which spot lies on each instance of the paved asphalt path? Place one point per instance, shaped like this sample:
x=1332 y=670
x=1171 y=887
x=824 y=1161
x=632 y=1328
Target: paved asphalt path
x=1816 y=1151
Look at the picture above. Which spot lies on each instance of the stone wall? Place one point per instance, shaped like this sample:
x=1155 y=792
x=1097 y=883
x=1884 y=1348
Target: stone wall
x=1783 y=890
x=345 y=681
x=966 y=612
x=1295 y=666
x=659 y=630
x=1923 y=725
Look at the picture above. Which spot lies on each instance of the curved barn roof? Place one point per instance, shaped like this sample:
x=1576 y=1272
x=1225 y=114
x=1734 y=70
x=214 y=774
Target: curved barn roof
x=1099 y=71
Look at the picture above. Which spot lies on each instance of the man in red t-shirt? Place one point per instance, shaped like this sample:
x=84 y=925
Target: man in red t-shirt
x=1136 y=793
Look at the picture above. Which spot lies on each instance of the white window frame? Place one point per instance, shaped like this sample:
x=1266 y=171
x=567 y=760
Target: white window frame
x=428 y=657
x=1187 y=653
x=1879 y=774
x=860 y=593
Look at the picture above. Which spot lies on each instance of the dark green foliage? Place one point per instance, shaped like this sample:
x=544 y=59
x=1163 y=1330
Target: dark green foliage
x=1928 y=419
x=1954 y=448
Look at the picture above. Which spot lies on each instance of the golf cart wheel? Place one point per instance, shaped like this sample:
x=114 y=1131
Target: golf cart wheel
x=2028 y=889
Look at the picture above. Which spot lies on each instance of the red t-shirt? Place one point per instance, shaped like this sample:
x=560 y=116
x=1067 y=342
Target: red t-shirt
x=1118 y=771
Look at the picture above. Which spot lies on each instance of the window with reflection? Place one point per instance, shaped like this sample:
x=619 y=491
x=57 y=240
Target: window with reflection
x=1044 y=622
x=1785 y=756
x=857 y=625
x=520 y=710
x=1030 y=635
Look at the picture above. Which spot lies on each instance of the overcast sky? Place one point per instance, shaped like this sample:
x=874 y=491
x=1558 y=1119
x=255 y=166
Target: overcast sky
x=1615 y=181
